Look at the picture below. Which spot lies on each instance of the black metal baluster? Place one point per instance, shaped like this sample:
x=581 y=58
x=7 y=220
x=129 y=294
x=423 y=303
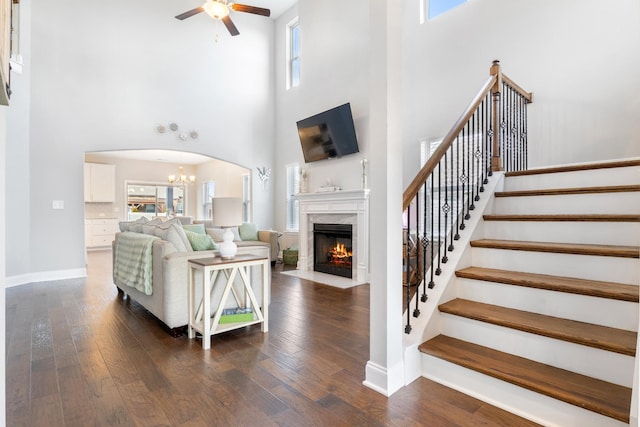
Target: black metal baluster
x=514 y=131
x=520 y=131
x=456 y=181
x=439 y=270
x=416 y=311
x=525 y=137
x=523 y=154
x=464 y=212
x=445 y=208
x=407 y=270
x=477 y=153
x=485 y=140
x=505 y=128
x=425 y=243
x=449 y=185
x=492 y=133
x=471 y=166
x=431 y=282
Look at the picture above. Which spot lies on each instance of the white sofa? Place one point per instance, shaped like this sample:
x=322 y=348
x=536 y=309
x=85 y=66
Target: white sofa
x=168 y=301
x=268 y=238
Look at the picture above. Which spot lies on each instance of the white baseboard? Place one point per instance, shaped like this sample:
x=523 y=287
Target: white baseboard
x=382 y=380
x=45 y=276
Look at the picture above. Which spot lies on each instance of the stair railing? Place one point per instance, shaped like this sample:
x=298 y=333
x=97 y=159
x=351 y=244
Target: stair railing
x=490 y=135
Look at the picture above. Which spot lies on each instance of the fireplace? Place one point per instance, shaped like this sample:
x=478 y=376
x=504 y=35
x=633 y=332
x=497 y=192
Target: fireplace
x=333 y=249
x=349 y=207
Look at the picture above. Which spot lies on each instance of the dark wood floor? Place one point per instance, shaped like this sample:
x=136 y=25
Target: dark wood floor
x=78 y=355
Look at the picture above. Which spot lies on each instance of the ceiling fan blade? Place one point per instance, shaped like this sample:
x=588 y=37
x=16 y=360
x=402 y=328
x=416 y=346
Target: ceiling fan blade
x=250 y=9
x=190 y=13
x=230 y=26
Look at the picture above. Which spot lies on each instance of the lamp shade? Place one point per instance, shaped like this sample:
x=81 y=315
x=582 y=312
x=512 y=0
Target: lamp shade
x=227 y=211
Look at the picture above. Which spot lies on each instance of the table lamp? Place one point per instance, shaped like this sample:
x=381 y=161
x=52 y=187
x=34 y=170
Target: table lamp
x=227 y=212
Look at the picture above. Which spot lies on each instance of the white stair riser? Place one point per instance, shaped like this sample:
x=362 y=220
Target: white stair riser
x=583 y=308
x=611 y=269
x=537 y=407
x=604 y=365
x=598 y=233
x=600 y=203
x=590 y=178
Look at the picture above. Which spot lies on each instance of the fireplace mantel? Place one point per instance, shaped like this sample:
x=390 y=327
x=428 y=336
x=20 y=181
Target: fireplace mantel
x=351 y=206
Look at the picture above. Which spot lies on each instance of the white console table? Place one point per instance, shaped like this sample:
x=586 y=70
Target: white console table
x=210 y=268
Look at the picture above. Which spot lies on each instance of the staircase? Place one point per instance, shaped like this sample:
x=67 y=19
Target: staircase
x=544 y=322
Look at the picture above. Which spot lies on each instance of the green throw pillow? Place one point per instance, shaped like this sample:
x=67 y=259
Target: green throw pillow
x=248 y=231
x=196 y=228
x=200 y=242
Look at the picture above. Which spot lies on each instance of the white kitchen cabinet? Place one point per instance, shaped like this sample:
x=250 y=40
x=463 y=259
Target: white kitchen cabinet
x=99 y=183
x=99 y=233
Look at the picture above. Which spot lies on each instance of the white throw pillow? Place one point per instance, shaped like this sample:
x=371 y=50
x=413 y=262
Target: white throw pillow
x=215 y=233
x=175 y=234
x=236 y=233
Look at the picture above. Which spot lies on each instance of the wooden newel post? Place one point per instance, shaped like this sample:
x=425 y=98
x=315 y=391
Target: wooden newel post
x=496 y=161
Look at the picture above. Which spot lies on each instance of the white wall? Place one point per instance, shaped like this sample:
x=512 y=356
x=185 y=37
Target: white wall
x=103 y=75
x=3 y=250
x=334 y=69
x=17 y=152
x=581 y=58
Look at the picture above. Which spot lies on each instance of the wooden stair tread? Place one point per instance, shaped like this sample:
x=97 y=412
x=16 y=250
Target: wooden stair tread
x=596 y=336
x=573 y=168
x=565 y=191
x=589 y=393
x=594 y=288
x=566 y=248
x=561 y=218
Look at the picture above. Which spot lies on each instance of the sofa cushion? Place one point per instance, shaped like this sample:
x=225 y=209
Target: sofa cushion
x=207 y=222
x=215 y=233
x=127 y=225
x=236 y=233
x=149 y=227
x=248 y=231
x=200 y=242
x=247 y=243
x=175 y=234
x=196 y=228
x=184 y=220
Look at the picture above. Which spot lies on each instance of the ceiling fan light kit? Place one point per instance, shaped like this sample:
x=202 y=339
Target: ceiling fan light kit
x=219 y=9
x=215 y=9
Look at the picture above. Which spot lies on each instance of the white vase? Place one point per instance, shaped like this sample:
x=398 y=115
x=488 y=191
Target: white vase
x=227 y=248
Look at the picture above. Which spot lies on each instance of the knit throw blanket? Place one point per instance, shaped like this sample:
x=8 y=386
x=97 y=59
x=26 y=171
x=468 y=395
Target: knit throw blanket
x=133 y=260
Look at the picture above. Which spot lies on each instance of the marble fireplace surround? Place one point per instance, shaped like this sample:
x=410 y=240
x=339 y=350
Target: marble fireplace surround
x=336 y=207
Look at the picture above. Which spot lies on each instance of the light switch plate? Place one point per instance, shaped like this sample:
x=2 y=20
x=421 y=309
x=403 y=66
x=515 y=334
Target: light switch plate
x=58 y=204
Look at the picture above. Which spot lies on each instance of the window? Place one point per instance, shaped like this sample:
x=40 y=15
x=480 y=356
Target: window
x=438 y=7
x=293 y=53
x=208 y=192
x=151 y=200
x=246 y=198
x=293 y=188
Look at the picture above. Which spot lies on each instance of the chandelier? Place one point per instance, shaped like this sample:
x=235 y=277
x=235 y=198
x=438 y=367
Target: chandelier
x=181 y=178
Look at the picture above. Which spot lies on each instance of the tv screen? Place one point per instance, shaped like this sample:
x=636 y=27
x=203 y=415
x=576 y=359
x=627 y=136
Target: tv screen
x=328 y=134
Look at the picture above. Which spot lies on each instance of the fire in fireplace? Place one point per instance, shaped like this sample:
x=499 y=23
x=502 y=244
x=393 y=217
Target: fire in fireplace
x=333 y=253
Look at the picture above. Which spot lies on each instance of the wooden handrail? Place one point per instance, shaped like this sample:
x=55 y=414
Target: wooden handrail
x=493 y=85
x=433 y=161
x=493 y=126
x=526 y=95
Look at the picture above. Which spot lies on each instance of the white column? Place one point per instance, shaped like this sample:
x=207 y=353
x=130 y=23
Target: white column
x=385 y=369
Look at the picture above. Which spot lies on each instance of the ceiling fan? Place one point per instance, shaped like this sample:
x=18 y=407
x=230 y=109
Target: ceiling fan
x=219 y=9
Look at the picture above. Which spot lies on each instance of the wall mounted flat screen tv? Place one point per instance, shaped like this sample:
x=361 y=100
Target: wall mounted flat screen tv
x=328 y=134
